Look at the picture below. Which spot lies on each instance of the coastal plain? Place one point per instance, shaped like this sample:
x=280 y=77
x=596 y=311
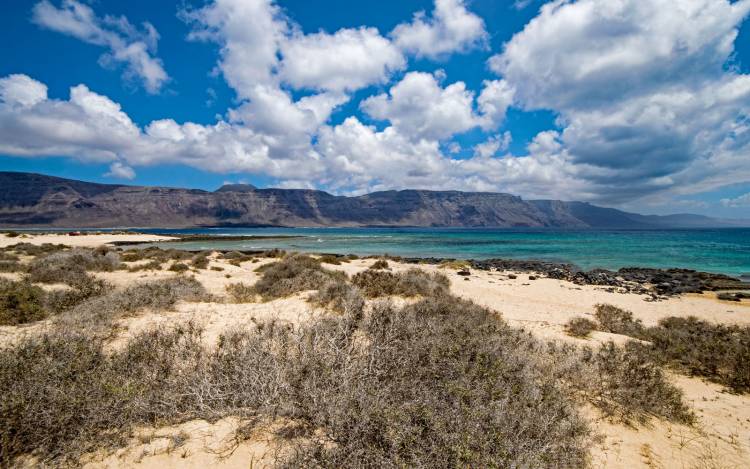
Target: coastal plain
x=720 y=438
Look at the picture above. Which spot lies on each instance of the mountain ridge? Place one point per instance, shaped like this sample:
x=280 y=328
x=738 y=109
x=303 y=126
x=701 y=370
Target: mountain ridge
x=37 y=200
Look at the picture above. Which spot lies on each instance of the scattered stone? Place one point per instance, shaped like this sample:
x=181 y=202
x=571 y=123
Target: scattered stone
x=464 y=273
x=661 y=283
x=532 y=277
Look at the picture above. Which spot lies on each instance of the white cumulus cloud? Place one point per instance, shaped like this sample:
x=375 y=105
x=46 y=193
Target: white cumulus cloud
x=125 y=43
x=450 y=28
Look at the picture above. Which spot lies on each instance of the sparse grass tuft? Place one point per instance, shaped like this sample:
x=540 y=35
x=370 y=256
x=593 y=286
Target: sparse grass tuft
x=580 y=327
x=455 y=265
x=413 y=282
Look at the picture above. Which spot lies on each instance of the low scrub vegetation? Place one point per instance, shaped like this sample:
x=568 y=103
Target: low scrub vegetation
x=629 y=385
x=413 y=282
x=71 y=266
x=331 y=259
x=11 y=266
x=178 y=267
x=618 y=321
x=241 y=292
x=715 y=351
x=440 y=382
x=580 y=327
x=28 y=249
x=293 y=274
x=20 y=303
x=380 y=264
x=150 y=265
x=98 y=312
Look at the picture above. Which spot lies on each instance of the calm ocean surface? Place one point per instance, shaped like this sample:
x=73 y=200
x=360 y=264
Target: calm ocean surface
x=712 y=250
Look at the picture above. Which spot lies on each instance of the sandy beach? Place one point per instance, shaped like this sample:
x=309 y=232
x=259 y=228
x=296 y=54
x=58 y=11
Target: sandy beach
x=721 y=438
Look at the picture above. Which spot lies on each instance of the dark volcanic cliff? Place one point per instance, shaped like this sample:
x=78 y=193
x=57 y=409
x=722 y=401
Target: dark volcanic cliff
x=38 y=200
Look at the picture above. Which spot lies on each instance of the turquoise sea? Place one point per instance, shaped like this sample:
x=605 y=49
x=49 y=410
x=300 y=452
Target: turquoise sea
x=711 y=250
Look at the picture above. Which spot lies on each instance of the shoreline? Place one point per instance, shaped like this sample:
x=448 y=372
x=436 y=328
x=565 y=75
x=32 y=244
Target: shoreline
x=654 y=282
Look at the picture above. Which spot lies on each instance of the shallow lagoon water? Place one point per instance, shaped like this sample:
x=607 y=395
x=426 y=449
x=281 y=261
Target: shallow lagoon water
x=711 y=250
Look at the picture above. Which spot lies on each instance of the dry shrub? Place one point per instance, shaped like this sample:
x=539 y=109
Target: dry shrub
x=380 y=264
x=440 y=383
x=71 y=266
x=339 y=296
x=413 y=282
x=63 y=396
x=11 y=266
x=150 y=265
x=580 y=327
x=630 y=386
x=330 y=259
x=98 y=312
x=20 y=303
x=618 y=321
x=82 y=289
x=5 y=256
x=201 y=261
x=178 y=267
x=241 y=292
x=718 y=352
x=29 y=249
x=293 y=274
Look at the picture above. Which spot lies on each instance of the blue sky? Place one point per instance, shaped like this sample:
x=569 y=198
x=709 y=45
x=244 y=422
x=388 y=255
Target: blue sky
x=638 y=105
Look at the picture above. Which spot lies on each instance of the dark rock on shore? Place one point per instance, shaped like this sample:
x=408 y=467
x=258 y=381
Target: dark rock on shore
x=640 y=280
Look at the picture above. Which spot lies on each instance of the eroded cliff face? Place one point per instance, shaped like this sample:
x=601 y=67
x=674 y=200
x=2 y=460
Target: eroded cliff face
x=38 y=200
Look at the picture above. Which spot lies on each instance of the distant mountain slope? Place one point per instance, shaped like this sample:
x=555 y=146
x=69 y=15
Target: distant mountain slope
x=37 y=200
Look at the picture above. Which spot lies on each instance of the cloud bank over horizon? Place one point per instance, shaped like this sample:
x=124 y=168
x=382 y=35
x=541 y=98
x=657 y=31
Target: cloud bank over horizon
x=649 y=104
